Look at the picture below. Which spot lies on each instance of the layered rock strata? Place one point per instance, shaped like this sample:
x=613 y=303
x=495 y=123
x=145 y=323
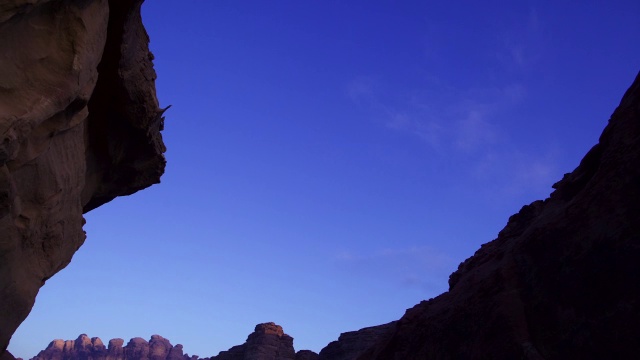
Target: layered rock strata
x=79 y=123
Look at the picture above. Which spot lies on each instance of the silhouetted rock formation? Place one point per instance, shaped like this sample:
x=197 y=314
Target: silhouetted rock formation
x=267 y=342
x=80 y=125
x=83 y=348
x=306 y=355
x=352 y=344
x=561 y=279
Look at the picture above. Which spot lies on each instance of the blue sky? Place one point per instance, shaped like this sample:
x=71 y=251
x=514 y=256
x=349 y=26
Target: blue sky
x=330 y=163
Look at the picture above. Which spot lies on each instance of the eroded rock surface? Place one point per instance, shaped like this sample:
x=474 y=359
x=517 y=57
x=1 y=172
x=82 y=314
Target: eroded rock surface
x=268 y=341
x=352 y=344
x=561 y=279
x=79 y=124
x=83 y=348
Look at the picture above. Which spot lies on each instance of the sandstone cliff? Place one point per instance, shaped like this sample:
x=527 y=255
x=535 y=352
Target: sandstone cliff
x=561 y=279
x=80 y=125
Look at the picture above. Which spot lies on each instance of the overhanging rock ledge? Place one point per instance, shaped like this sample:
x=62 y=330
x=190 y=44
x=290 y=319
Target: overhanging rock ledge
x=79 y=124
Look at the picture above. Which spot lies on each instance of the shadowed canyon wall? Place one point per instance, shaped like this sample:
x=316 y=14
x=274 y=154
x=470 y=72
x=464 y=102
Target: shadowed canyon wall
x=561 y=279
x=80 y=125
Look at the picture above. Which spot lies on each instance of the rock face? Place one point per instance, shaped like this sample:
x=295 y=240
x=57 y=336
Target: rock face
x=561 y=279
x=268 y=341
x=79 y=124
x=352 y=344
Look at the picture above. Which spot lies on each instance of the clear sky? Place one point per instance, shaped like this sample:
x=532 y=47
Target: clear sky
x=330 y=163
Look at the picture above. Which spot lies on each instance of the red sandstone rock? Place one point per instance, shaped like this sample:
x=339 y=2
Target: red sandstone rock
x=80 y=125
x=176 y=353
x=267 y=342
x=115 y=350
x=157 y=348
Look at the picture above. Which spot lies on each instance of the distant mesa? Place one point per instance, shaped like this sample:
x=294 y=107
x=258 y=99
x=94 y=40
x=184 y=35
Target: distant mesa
x=85 y=348
x=267 y=342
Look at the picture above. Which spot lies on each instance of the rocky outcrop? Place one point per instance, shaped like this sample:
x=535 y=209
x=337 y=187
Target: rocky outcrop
x=561 y=279
x=83 y=348
x=79 y=123
x=352 y=344
x=268 y=341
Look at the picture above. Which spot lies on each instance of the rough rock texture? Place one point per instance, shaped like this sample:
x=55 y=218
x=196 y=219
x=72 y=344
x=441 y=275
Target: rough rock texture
x=79 y=125
x=115 y=349
x=83 y=348
x=267 y=342
x=352 y=344
x=561 y=279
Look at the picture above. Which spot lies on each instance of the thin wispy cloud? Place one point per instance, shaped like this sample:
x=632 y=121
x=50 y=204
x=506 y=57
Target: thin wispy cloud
x=428 y=130
x=417 y=266
x=468 y=124
x=523 y=42
x=518 y=171
x=474 y=131
x=470 y=128
x=464 y=124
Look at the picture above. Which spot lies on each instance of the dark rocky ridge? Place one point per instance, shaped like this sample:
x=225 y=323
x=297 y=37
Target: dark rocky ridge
x=268 y=341
x=351 y=344
x=80 y=125
x=561 y=279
